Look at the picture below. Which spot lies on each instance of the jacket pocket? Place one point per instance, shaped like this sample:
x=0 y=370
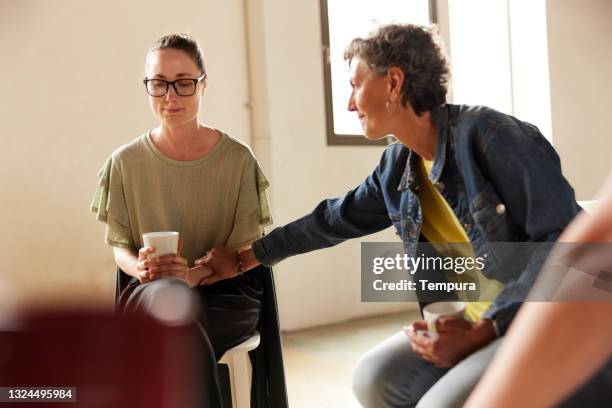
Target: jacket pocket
x=490 y=215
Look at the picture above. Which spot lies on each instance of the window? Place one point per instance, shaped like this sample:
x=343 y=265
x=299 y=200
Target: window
x=498 y=51
x=343 y=20
x=499 y=57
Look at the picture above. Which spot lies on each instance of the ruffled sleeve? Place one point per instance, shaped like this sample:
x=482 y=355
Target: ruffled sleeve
x=110 y=206
x=265 y=213
x=252 y=209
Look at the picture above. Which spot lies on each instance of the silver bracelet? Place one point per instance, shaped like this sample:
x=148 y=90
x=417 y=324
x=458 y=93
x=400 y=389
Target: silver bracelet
x=240 y=264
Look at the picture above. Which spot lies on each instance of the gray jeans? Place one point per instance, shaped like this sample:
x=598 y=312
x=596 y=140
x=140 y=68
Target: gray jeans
x=391 y=375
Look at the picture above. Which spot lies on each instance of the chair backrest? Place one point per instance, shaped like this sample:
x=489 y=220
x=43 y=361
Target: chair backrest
x=589 y=205
x=268 y=367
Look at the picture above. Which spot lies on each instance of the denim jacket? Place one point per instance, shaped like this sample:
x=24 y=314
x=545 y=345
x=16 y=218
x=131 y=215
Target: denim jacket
x=500 y=176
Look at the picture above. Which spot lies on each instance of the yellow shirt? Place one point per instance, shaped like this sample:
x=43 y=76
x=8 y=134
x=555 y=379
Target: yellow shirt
x=441 y=227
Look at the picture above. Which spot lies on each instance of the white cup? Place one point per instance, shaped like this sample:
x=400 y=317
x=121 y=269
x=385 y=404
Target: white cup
x=433 y=311
x=164 y=242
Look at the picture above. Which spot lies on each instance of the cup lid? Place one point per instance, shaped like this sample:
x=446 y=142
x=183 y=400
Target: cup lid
x=160 y=234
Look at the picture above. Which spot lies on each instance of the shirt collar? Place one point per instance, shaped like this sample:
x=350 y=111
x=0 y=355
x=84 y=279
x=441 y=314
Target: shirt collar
x=439 y=116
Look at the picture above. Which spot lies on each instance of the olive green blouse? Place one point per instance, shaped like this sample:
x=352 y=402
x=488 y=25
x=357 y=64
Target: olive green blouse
x=218 y=199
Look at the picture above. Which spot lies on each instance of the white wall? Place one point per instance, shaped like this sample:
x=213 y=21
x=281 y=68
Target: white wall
x=74 y=94
x=71 y=93
x=323 y=286
x=580 y=58
x=60 y=118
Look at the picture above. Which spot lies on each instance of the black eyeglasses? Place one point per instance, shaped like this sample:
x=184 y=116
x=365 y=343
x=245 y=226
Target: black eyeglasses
x=182 y=86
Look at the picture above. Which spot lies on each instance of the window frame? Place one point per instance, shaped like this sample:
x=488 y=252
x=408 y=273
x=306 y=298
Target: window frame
x=334 y=139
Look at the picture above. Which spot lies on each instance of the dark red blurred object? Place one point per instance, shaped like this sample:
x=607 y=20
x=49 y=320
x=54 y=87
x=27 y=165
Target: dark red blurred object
x=112 y=360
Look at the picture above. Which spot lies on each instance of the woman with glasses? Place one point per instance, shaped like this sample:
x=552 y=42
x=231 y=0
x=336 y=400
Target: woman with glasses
x=188 y=177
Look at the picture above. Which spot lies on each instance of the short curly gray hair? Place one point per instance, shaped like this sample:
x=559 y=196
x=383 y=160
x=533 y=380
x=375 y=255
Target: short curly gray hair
x=417 y=51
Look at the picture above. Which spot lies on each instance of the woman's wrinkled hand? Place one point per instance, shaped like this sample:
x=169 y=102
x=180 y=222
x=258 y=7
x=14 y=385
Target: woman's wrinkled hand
x=456 y=339
x=223 y=263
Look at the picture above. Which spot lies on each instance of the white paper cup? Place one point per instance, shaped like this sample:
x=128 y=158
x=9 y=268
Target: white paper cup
x=164 y=242
x=433 y=311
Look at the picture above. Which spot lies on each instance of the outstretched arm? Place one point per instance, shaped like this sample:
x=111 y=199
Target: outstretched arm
x=360 y=212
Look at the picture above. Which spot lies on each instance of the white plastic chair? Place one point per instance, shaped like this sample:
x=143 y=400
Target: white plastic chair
x=240 y=370
x=590 y=205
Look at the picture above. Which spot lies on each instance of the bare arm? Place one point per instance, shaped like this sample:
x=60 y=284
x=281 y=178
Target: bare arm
x=126 y=259
x=550 y=350
x=553 y=348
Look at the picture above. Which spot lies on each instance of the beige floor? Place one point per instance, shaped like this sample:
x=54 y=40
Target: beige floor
x=319 y=362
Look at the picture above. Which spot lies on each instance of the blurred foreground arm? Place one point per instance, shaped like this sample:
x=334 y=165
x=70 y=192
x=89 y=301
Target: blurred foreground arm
x=550 y=350
x=553 y=348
